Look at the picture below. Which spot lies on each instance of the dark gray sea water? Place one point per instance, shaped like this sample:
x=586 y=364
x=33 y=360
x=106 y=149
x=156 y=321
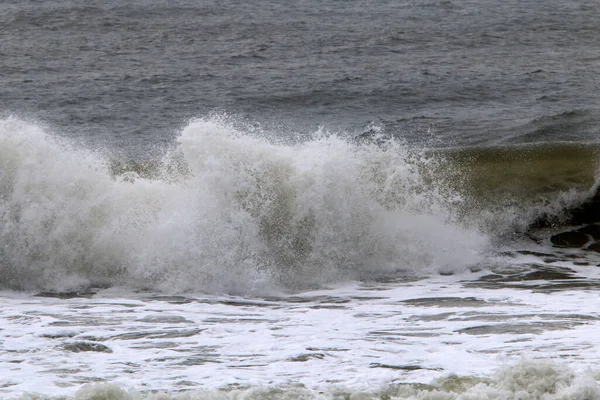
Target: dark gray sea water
x=129 y=74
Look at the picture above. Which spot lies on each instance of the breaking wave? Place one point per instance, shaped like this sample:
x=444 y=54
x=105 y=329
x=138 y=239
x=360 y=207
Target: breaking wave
x=237 y=214
x=228 y=211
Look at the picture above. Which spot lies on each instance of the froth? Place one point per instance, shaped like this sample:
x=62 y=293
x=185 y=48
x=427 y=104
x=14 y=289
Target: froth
x=248 y=215
x=527 y=380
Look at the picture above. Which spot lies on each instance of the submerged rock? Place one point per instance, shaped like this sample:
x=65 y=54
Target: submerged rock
x=570 y=239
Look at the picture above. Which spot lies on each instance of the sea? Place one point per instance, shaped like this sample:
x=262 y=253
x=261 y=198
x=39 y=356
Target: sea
x=265 y=200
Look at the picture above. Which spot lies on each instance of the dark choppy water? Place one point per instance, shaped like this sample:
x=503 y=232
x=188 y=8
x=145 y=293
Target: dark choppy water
x=130 y=74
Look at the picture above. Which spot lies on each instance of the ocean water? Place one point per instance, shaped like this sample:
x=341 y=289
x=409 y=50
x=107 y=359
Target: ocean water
x=318 y=200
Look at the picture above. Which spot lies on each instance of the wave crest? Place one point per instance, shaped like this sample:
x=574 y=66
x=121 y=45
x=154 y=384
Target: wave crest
x=242 y=214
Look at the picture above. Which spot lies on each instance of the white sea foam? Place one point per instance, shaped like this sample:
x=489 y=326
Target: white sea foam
x=401 y=339
x=527 y=380
x=438 y=337
x=248 y=215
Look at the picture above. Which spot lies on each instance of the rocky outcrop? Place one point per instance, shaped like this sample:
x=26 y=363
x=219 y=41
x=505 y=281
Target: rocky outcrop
x=586 y=237
x=593 y=230
x=594 y=247
x=571 y=239
x=587 y=213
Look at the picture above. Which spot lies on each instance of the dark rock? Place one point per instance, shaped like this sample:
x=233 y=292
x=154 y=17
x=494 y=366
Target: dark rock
x=594 y=247
x=593 y=230
x=587 y=212
x=570 y=239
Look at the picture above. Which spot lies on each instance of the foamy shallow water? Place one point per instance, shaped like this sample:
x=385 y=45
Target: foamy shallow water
x=359 y=336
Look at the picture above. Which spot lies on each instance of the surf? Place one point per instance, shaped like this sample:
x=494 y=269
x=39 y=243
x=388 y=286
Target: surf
x=246 y=214
x=228 y=210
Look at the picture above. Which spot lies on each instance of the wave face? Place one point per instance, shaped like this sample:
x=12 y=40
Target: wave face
x=507 y=190
x=237 y=214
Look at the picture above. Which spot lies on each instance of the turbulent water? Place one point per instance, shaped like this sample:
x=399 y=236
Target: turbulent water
x=328 y=200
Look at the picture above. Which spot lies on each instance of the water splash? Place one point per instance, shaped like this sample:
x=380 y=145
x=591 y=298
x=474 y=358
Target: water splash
x=242 y=214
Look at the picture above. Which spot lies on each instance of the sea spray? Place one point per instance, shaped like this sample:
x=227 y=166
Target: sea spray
x=247 y=215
